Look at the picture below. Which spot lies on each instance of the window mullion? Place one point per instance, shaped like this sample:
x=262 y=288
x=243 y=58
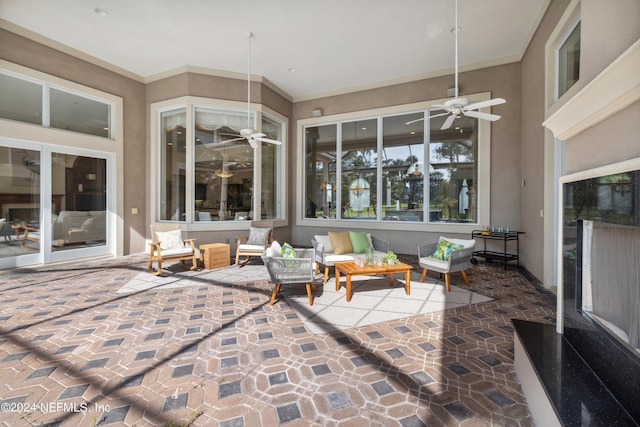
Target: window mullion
x=46 y=106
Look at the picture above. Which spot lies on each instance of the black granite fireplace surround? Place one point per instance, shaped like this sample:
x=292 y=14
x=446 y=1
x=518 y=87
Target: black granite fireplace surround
x=590 y=376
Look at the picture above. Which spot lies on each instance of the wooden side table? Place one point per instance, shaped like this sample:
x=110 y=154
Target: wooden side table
x=215 y=255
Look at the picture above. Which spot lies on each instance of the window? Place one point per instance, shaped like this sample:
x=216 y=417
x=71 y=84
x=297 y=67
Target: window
x=569 y=61
x=79 y=114
x=206 y=174
x=562 y=57
x=38 y=103
x=21 y=100
x=388 y=167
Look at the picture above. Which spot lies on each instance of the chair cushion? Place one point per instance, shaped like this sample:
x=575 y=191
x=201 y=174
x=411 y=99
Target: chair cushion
x=326 y=242
x=340 y=242
x=331 y=259
x=170 y=239
x=258 y=236
x=169 y=253
x=359 y=241
x=274 y=250
x=444 y=248
x=430 y=262
x=251 y=248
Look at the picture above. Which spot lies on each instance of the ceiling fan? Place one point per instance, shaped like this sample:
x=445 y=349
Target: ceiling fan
x=252 y=136
x=457 y=107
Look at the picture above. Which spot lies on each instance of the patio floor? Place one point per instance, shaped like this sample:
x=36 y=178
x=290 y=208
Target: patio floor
x=191 y=349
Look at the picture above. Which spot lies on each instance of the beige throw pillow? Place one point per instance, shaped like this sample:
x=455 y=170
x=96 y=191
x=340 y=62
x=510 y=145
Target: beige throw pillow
x=340 y=242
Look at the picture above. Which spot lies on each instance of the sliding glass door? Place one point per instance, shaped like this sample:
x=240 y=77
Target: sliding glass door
x=54 y=204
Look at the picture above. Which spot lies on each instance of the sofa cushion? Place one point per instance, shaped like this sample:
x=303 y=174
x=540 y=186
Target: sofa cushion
x=359 y=241
x=340 y=242
x=325 y=241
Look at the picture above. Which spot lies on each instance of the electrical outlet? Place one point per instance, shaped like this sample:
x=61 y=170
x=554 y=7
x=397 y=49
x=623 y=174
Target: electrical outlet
x=134 y=211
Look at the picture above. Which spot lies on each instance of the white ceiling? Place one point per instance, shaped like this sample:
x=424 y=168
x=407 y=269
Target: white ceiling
x=335 y=46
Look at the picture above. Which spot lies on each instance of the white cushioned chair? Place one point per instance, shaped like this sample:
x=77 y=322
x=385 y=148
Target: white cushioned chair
x=457 y=259
x=167 y=245
x=259 y=238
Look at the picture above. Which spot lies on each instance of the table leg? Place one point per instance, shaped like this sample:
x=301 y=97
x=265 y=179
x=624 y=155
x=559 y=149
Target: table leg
x=390 y=279
x=337 y=279
x=348 y=287
x=407 y=278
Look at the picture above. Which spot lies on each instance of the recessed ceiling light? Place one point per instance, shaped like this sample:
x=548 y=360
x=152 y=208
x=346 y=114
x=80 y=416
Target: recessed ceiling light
x=100 y=12
x=292 y=70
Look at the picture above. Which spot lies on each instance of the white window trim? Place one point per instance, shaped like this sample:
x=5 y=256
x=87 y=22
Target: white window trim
x=563 y=29
x=190 y=102
x=484 y=172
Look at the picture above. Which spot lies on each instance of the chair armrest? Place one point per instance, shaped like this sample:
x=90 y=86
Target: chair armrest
x=380 y=245
x=241 y=239
x=426 y=250
x=318 y=249
x=154 y=247
x=190 y=241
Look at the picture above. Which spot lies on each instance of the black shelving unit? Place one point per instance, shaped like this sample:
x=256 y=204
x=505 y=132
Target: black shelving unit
x=505 y=237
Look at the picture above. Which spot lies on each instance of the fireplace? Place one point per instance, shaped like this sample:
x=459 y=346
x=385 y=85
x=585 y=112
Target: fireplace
x=585 y=369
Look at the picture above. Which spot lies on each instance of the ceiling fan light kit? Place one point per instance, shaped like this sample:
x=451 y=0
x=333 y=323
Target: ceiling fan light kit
x=458 y=107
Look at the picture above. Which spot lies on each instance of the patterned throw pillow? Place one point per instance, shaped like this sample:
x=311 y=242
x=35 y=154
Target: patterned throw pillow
x=443 y=251
x=287 y=251
x=170 y=239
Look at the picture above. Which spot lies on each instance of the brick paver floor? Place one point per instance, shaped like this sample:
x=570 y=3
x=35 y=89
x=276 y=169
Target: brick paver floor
x=75 y=352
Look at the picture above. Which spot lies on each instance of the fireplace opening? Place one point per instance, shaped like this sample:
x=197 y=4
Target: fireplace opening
x=611 y=279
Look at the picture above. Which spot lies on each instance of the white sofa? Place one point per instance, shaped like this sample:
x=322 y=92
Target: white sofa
x=79 y=226
x=325 y=255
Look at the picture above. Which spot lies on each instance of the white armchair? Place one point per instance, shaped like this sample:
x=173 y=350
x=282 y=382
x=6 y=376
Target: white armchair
x=458 y=259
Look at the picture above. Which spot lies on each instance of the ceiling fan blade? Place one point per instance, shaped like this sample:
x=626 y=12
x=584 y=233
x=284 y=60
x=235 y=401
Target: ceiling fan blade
x=414 y=121
x=227 y=141
x=270 y=141
x=483 y=104
x=447 y=123
x=481 y=115
x=438 y=115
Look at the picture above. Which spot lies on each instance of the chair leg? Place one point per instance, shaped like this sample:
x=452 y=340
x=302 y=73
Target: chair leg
x=465 y=277
x=424 y=273
x=276 y=289
x=447 y=281
x=326 y=273
x=159 y=270
x=309 y=294
x=194 y=262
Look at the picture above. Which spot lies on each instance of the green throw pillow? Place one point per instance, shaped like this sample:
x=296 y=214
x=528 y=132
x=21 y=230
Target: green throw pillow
x=287 y=251
x=443 y=251
x=359 y=241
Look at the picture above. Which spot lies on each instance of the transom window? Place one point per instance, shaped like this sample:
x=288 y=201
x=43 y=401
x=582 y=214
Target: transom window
x=39 y=103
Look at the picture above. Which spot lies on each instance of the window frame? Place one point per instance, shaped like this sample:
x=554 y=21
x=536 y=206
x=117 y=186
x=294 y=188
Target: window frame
x=191 y=103
x=47 y=84
x=483 y=185
x=565 y=26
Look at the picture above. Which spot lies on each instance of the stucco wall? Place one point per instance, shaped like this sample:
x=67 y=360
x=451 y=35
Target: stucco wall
x=25 y=52
x=502 y=81
x=606 y=33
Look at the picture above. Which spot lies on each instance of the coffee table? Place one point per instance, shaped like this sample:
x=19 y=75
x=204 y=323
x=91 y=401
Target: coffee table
x=352 y=269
